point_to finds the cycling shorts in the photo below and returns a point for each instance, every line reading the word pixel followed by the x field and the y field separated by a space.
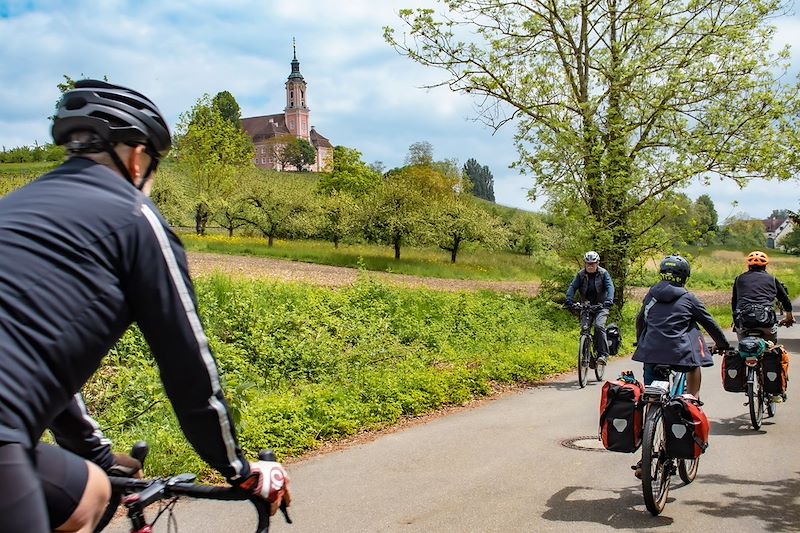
pixel 39 491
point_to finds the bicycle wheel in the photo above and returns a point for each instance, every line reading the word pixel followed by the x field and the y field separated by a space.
pixel 755 400
pixel 599 370
pixel 770 408
pixel 687 469
pixel 655 463
pixel 583 360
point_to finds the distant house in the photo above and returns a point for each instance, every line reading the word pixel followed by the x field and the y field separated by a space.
pixel 776 229
pixel 267 130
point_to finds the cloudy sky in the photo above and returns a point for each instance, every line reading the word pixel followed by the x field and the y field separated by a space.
pixel 361 93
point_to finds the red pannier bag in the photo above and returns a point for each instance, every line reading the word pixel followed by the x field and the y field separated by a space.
pixel 686 427
pixel 621 416
pixel 734 373
pixel 775 366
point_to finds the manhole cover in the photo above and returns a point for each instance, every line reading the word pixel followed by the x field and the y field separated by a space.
pixel 589 443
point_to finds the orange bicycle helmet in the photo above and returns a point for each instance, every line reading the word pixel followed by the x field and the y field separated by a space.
pixel 757 258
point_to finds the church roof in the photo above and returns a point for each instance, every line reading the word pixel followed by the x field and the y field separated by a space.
pixel 319 140
pixel 269 126
pixel 265 126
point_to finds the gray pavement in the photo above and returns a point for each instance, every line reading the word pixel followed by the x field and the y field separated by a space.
pixel 503 467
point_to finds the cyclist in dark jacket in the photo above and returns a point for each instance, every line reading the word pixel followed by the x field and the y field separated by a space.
pixel 753 295
pixel 83 254
pixel 593 284
pixel 667 331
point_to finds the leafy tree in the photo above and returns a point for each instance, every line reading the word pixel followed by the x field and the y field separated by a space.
pixel 526 233
pixel 420 153
pixel 169 195
pixel 395 212
pixel 707 219
pixel 275 206
pixel 481 179
pixel 780 213
pixel 230 215
pixel 350 174
pixel 377 167
pixel 302 154
pixel 744 234
pixel 228 108
pixel 618 102
pixel 281 149
pixel 338 217
pixel 791 242
pixel 456 220
pixel 211 151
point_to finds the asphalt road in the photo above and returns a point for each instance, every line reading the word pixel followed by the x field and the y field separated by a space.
pixel 503 467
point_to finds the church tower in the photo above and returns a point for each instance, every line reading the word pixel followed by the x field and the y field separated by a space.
pixel 296 110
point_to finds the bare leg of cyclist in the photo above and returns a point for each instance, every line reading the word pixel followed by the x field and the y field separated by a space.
pixel 693 379
pixel 92 503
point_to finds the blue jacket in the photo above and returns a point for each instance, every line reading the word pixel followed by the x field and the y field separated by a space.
pixel 604 287
pixel 667 329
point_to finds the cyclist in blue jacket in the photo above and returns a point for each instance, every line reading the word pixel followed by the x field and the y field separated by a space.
pixel 593 284
pixel 667 330
pixel 84 253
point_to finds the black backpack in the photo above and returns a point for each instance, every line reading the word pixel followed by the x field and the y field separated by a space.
pixel 614 338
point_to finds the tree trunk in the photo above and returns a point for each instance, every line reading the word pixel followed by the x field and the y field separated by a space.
pixel 397 250
pixel 270 238
pixel 454 250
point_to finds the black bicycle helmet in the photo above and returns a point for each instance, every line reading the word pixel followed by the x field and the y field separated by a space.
pixel 675 269
pixel 116 114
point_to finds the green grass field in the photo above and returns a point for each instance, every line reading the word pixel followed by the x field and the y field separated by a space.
pixel 473 262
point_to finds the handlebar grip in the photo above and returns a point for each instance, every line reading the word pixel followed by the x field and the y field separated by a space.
pixel 140 450
pixel 267 455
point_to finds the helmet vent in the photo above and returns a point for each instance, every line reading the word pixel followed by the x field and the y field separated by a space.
pixel 75 102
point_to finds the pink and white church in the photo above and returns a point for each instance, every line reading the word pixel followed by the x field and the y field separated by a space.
pixel 293 121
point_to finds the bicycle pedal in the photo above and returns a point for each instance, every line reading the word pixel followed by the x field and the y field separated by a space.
pixel 592 364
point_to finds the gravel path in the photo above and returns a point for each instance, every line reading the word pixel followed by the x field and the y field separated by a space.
pixel 249 267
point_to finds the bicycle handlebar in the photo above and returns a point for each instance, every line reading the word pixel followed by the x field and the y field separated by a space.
pixel 145 492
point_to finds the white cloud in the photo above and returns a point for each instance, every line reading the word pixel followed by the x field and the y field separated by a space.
pixel 362 93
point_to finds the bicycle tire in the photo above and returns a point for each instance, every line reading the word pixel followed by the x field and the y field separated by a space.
pixel 755 401
pixel 583 360
pixel 771 408
pixel 687 469
pixel 599 370
pixel 655 463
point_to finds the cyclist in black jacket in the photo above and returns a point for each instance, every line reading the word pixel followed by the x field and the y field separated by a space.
pixel 83 254
pixel 754 292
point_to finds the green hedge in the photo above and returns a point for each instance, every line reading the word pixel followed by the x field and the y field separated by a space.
pixel 303 365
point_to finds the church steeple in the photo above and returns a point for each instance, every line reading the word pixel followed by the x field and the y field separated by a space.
pixel 295 74
pixel 296 110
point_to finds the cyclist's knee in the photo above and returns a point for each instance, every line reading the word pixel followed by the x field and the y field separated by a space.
pixel 92 503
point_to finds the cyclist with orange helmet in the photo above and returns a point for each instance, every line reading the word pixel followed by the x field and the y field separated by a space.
pixel 754 292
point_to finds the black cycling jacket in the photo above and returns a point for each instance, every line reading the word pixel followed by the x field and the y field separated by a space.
pixel 758 287
pixel 83 254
